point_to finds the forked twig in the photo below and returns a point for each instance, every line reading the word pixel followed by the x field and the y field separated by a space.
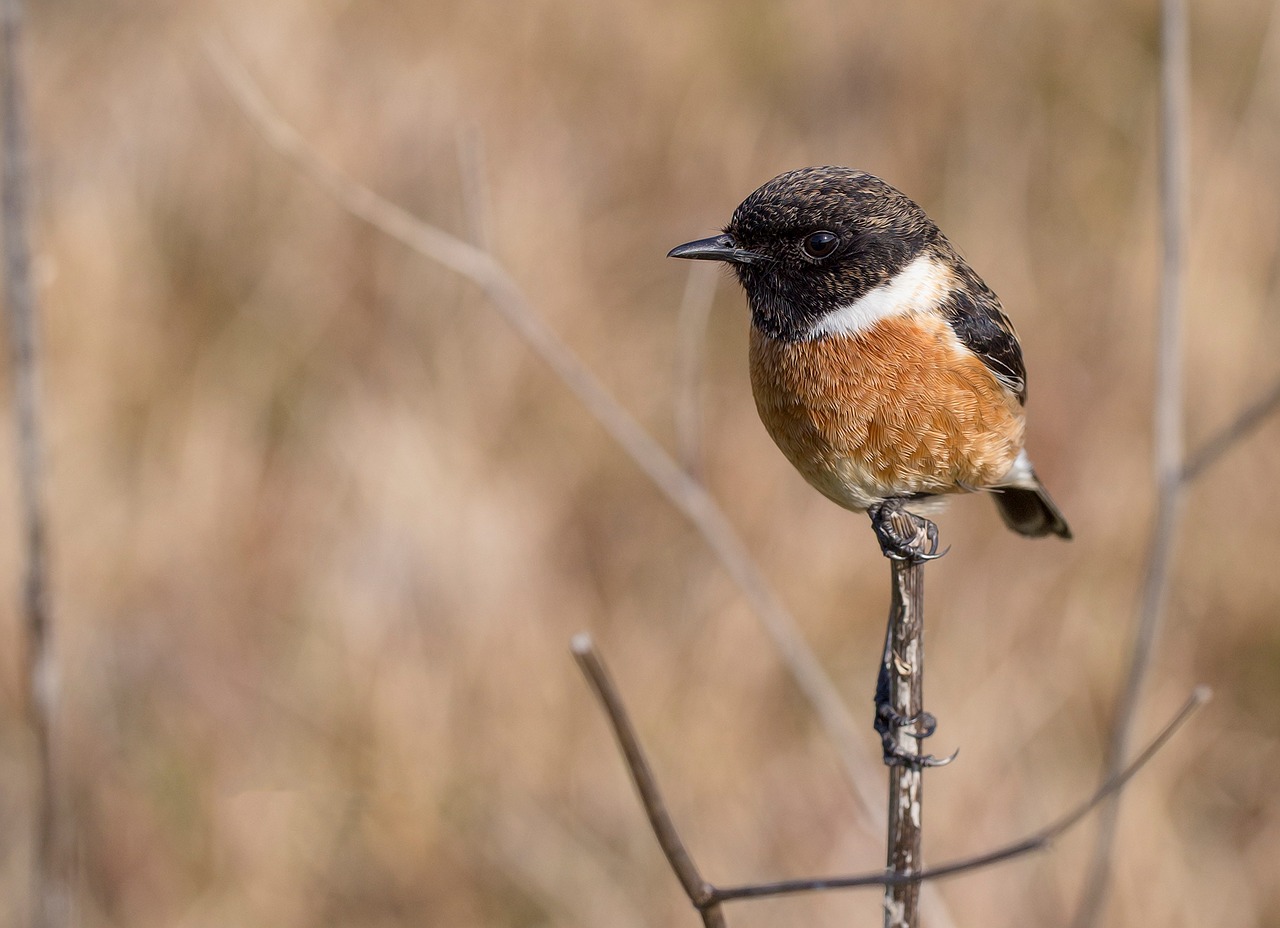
pixel 707 898
pixel 1034 842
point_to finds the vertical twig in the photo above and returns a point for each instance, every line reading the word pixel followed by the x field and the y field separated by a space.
pixel 695 311
pixel 48 895
pixel 1174 84
pixel 904 652
pixel 475 192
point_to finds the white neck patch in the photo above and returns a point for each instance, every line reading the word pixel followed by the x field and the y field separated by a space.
pixel 919 287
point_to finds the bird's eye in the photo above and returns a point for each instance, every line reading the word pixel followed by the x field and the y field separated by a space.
pixel 818 245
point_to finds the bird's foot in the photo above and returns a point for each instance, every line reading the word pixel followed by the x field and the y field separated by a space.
pixel 924 722
pixel 903 535
pixel 889 723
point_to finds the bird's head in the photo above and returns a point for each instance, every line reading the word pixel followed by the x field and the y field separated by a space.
pixel 814 240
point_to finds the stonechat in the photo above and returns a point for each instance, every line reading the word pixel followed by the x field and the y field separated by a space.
pixel 882 366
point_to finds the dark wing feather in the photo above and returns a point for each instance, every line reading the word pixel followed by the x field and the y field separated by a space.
pixel 975 314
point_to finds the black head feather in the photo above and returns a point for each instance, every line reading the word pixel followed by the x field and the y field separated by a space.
pixel 878 231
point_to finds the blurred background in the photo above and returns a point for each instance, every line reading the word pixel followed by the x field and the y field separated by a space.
pixel 322 526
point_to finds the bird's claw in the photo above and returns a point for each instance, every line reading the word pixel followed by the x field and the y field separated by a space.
pixel 889 722
pixel 896 757
pixel 893 720
pixel 903 535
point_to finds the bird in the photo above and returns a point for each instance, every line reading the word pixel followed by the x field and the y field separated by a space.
pixel 882 365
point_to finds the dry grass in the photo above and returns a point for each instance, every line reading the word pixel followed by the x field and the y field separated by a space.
pixel 323 528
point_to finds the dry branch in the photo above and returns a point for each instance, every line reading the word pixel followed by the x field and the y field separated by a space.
pixel 1173 470
pixel 908 541
pixel 707 898
pixel 904 663
pixel 691 324
pixel 1174 89
pixel 695 887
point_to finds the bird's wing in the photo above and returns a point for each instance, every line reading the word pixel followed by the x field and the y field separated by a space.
pixel 981 325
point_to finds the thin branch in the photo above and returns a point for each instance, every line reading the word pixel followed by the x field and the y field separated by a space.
pixel 680 489
pixel 677 855
pixel 475 193
pixel 707 897
pixel 903 672
pixel 695 887
pixel 1174 91
pixel 50 899
pixel 1230 435
pixel 1035 842
pixel 691 328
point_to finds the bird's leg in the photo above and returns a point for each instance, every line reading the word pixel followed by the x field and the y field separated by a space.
pixel 903 535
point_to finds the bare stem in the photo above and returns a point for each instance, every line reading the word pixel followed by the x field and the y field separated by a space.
pixel 695 311
pixel 904 661
pixel 1174 81
pixel 49 895
pixel 699 891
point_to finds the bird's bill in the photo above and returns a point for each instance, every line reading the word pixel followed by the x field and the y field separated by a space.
pixel 718 248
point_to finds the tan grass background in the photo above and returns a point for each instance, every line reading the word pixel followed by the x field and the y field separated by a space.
pixel 323 527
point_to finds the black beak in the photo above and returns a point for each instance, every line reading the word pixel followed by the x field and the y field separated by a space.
pixel 719 248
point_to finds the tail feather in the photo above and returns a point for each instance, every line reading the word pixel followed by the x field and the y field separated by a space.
pixel 1030 511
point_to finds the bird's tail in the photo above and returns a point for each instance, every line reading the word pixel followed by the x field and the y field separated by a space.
pixel 1031 511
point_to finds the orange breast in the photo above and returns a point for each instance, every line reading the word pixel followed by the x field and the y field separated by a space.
pixel 898 409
